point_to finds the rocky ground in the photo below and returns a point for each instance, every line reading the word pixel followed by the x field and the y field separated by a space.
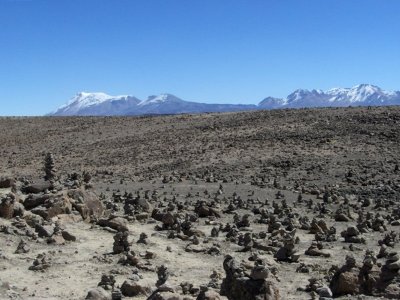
pixel 284 204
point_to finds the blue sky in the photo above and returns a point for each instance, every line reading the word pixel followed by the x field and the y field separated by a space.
pixel 237 51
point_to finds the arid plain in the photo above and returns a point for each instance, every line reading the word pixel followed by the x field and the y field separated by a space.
pixel 280 204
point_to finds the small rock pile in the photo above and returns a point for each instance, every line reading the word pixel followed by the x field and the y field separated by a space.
pixel 237 285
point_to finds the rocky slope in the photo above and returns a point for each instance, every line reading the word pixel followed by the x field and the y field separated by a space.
pixel 280 204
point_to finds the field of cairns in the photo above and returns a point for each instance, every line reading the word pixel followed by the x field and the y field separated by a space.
pixel 257 205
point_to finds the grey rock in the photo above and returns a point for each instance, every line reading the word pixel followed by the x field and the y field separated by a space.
pixel 98 293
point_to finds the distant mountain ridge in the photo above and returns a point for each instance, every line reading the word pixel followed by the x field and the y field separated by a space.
pixel 101 104
pixel 359 95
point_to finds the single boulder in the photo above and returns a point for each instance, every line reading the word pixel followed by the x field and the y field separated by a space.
pixel 7 203
pixel 346 280
pixel 37 187
pixel 68 236
pixel 346 283
pixel 87 203
pixel 6 183
pixel 238 286
pixel 117 223
pixel 98 293
pixel 45 230
pixel 59 205
pixel 209 295
pixel 132 288
pixel 33 201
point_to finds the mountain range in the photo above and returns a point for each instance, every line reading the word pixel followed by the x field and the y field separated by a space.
pixel 101 104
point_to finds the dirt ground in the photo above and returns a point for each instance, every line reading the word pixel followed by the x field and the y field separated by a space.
pixel 337 158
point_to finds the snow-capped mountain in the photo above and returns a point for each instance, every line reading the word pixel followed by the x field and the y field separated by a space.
pixel 362 93
pixel 359 95
pixel 160 99
pixel 170 104
pixel 95 104
pixel 100 104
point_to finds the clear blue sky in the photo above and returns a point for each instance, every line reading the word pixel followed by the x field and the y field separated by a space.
pixel 238 51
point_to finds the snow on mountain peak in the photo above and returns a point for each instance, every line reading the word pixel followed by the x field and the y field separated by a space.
pixel 298 95
pixel 84 99
pixel 358 93
pixel 362 94
pixel 85 103
pixel 159 99
pixel 88 98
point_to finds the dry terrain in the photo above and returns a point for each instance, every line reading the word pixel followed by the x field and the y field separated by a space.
pixel 281 204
